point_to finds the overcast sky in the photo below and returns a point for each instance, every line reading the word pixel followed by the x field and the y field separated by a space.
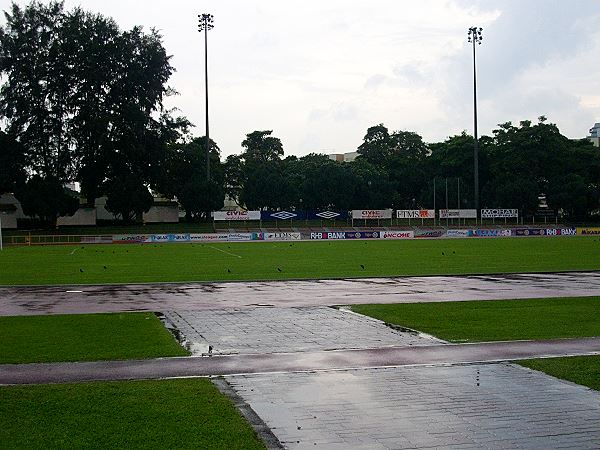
pixel 319 73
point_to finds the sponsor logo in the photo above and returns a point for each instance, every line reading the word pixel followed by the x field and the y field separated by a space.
pixel 397 235
pixel 283 215
pixel 568 231
pixel 282 236
pixel 208 237
pixel 499 213
pixel 491 233
pixel 429 234
pixel 372 214
pixel 459 233
pixel 327 214
pixel 593 231
pixel 415 214
pixel 130 238
pixel 236 215
pixel 239 236
pixel 330 235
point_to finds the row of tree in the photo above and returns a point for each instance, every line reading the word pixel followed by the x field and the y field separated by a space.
pixel 82 101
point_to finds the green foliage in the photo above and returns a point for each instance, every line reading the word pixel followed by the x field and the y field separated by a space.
pixel 128 198
pixel 12 162
pixel 306 260
pixel 84 337
pixel 47 199
pixel 497 320
pixel 134 414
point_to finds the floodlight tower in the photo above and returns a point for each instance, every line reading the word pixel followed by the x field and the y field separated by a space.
pixel 205 23
pixel 474 37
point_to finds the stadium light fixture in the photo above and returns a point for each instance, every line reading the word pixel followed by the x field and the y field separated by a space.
pixel 475 37
pixel 205 23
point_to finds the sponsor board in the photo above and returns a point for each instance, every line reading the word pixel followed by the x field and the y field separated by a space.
pixel 561 231
pixel 170 237
pixel 458 214
pixel 328 235
pixel 245 237
pixel 282 236
pixel 588 231
pixel 328 215
pixel 208 237
pixel 491 233
pixel 429 234
pixel 362 234
pixel 547 231
pixel 397 234
pixel 371 213
pixel 415 214
pixel 130 238
pixel 236 215
pixel 459 233
pixel 499 213
pixel 530 232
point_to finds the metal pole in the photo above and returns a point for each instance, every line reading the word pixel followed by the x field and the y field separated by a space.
pixel 476 143
pixel 1 248
pixel 206 90
pixel 446 202
pixel 458 195
pixel 434 201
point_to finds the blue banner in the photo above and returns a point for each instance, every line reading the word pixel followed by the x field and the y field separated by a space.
pixel 303 215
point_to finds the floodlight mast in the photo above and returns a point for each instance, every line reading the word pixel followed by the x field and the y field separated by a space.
pixel 205 23
pixel 474 37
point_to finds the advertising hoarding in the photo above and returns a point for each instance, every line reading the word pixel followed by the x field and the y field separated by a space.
pixel 415 214
pixel 499 213
pixel 459 233
pixel 236 215
pixel 491 233
pixel 282 236
pixel 371 213
pixel 588 231
pixel 397 234
pixel 458 214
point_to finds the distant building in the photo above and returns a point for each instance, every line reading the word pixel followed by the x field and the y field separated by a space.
pixel 343 157
pixel 595 134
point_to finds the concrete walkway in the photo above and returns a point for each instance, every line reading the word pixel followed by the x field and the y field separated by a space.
pixel 202 296
pixel 441 354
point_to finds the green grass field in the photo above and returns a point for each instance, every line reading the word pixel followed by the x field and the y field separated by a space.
pixel 142 414
pixel 503 320
pixel 497 320
pixel 86 337
pixel 298 260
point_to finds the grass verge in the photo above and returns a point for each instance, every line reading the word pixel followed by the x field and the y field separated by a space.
pixel 85 337
pixel 497 320
pixel 584 370
pixel 141 414
pixel 89 264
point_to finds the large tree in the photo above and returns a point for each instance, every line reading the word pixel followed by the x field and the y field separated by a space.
pixel 85 98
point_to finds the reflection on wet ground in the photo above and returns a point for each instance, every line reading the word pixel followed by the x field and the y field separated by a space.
pixel 199 296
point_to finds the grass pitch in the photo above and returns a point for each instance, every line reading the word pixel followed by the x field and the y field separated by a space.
pixel 141 414
pixel 88 264
pixel 86 337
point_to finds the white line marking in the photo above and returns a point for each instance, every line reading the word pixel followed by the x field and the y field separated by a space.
pixel 224 251
pixel 73 292
pixel 74 250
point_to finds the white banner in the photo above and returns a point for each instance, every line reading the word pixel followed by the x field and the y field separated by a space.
pixel 208 236
pixel 236 215
pixel 397 235
pixel 458 214
pixel 282 236
pixel 459 233
pixel 415 214
pixel 499 213
pixel 372 214
pixel 239 237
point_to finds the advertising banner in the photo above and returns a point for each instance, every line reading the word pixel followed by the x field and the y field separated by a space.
pixel 499 213
pixel 362 234
pixel 170 237
pixel 195 237
pixel 282 215
pixel 459 233
pixel 326 215
pixel 397 234
pixel 282 236
pixel 530 232
pixel 561 231
pixel 426 234
pixel 458 213
pixel 328 235
pixel 130 238
pixel 372 214
pixel 415 214
pixel 491 233
pixel 588 231
pixel 233 237
pixel 236 215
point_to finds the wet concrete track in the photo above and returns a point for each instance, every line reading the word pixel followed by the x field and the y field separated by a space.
pixel 199 296
pixel 294 362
